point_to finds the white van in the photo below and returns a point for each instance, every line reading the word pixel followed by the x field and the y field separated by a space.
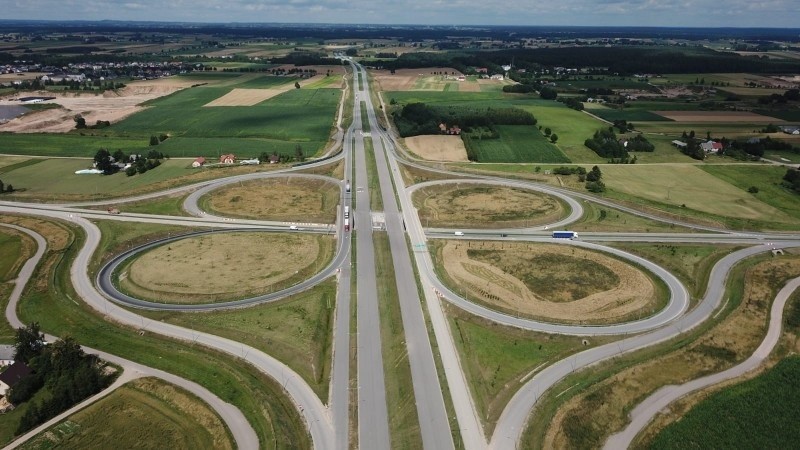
pixel 459 233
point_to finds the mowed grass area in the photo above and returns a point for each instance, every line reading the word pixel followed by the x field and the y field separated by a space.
pixel 498 359
pixel 144 413
pixel 629 114
pixel 688 188
pixel 517 143
pixel 223 266
pixel 53 303
pixel 485 207
pixel 15 248
pixel 768 179
pixel 759 413
pixel 296 331
pixel 282 199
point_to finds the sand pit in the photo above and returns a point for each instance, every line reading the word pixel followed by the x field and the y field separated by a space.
pixel 566 284
pixel 716 116
pixel 438 148
pixel 112 106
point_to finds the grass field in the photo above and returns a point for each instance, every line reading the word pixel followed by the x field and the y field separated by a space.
pixel 296 331
pixel 11 254
pixel 69 144
pixel 144 413
pixel 691 263
pixel 200 269
pixel 485 207
pixel 170 205
pixel 690 187
pixel 517 143
pixel 759 413
pixel 631 115
pixel 496 359
pixel 55 305
pixel 289 200
pixel 375 196
pixel 768 181
pixel 594 219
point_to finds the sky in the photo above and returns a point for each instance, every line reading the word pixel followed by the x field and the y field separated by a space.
pixel 675 13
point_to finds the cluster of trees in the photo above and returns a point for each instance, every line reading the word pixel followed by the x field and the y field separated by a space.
pixel 572 102
pixel 594 180
pixel 80 123
pixel 548 93
pixel 299 156
pixel 155 140
pixel 605 143
pixel 623 126
pixel 110 164
pixel 419 118
pixel 639 143
pixel 3 188
pixel 69 374
pixel 756 148
pixel 790 95
pixel 792 180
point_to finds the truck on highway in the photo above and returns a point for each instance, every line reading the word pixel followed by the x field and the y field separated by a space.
pixel 565 235
pixel 346 224
pixel 346 211
pixel 347 186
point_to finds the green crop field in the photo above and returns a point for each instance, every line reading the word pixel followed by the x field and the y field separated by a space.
pixel 572 127
pixel 789 115
pixel 759 413
pixel 717 130
pixel 265 82
pixel 70 144
pixel 518 143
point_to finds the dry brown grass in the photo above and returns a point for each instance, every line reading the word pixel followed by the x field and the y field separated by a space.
pixel 406 79
pixel 58 238
pixel 438 148
pixel 474 206
pixel 224 266
pixel 604 406
pixel 549 281
pixel 286 199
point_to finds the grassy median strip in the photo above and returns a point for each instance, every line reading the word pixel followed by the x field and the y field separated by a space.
pixel 375 197
pixel 15 249
pixel 400 399
pixel 52 302
pixel 144 413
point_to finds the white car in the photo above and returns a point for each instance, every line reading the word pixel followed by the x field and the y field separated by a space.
pixel 459 233
pixel 293 227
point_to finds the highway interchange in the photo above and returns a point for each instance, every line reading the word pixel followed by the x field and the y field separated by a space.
pixel 328 419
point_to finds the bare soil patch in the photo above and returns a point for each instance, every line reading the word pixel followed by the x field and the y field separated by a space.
pixel 438 148
pixel 555 282
pixel 245 97
pixel 112 106
pixel 716 116
pixel 485 207
pixel 285 199
pixel 406 79
pixel 223 266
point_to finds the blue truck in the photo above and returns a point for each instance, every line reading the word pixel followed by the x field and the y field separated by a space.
pixel 565 235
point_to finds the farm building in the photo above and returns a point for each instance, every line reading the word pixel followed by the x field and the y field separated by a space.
pixel 274 158
pixel 13 375
pixel 679 144
pixel 794 129
pixel 199 162
pixel 227 159
pixel 711 146
pixel 6 355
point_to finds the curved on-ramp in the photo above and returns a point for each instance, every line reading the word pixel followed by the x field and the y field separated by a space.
pixel 243 434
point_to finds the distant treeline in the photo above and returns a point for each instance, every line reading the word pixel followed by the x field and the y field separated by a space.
pixel 622 60
pixel 419 118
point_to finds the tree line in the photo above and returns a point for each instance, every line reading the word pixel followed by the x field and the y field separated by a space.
pixel 62 367
pixel 419 118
